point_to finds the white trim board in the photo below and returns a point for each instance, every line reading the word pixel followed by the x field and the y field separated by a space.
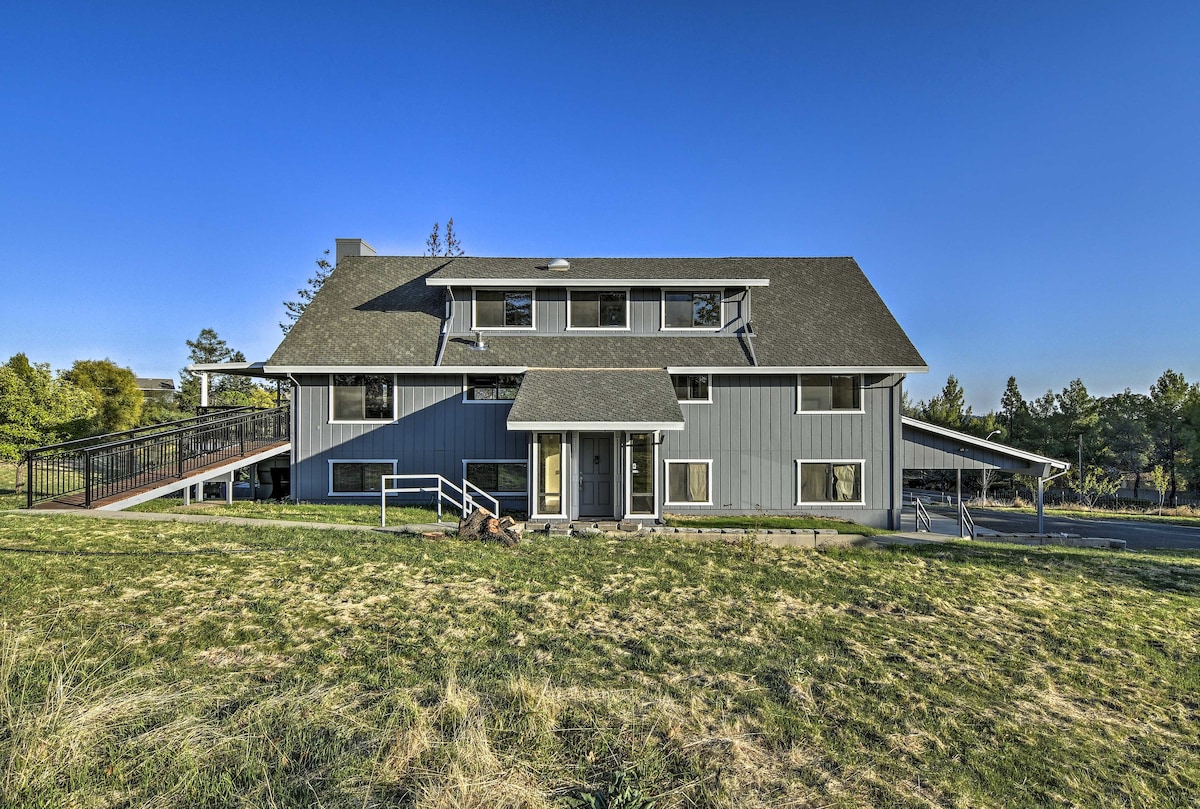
pixel 862 482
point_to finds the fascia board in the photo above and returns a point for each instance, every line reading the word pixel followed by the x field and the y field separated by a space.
pixel 569 281
pixel 595 426
pixel 798 369
pixel 396 369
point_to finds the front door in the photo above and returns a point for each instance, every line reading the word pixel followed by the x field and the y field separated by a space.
pixel 595 475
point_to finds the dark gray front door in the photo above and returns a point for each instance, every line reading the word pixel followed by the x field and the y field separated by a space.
pixel 595 475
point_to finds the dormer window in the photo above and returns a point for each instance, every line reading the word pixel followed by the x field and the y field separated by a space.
pixel 503 309
pixel 692 309
pixel 598 309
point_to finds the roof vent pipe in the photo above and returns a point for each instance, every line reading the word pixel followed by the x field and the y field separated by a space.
pixel 479 344
pixel 559 265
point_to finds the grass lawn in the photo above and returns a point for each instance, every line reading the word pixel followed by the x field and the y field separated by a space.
pixel 347 514
pixel 186 665
pixel 765 521
pixel 8 492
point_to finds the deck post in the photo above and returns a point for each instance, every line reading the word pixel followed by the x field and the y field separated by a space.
pixel 87 479
pixel 187 495
pixel 204 388
pixel 229 490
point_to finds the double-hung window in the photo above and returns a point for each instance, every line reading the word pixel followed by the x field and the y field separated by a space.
pixel 492 388
pixel 692 309
pixel 503 309
pixel 598 309
pixel 363 397
pixel 830 393
pixel 836 482
pixel 691 388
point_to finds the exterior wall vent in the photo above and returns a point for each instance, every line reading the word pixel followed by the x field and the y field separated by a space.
pixel 559 265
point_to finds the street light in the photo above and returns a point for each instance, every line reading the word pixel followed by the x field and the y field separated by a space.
pixel 993 432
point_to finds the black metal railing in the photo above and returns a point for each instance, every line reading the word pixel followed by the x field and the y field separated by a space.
pixel 87 470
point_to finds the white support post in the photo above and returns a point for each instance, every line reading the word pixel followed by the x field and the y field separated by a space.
pixel 204 388
pixel 229 490
pixel 187 495
pixel 1041 516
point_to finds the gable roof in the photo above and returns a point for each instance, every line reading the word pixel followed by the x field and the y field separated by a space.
pixel 383 311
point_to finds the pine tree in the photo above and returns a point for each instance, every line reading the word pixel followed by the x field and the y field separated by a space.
pixel 293 309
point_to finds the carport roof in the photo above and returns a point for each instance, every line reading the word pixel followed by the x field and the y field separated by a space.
pixel 930 446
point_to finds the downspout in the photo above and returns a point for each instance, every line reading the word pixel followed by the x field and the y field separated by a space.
pixel 748 330
pixel 444 337
pixel 295 417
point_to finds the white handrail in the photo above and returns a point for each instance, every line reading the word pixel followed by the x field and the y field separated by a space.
pixel 922 516
pixel 968 522
pixel 465 504
pixel 495 503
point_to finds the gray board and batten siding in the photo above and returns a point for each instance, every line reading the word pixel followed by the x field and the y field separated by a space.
pixel 750 431
pixel 434 431
pixel 644 308
pixel 754 437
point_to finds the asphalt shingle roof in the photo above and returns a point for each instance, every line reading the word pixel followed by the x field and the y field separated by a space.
pixel 816 312
pixel 625 396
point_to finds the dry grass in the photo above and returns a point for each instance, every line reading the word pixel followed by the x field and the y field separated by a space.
pixel 166 669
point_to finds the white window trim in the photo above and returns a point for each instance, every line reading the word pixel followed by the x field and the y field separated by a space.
pixel 628 314
pixel 532 315
pixel 523 461
pixel 534 476
pixel 667 481
pixel 628 484
pixel 395 402
pixel 332 493
pixel 662 310
pixel 800 411
pixel 709 400
pixel 466 385
pixel 862 483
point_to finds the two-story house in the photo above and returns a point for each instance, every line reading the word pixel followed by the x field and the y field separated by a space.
pixel 603 388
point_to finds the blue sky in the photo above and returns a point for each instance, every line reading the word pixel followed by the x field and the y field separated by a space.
pixel 1020 181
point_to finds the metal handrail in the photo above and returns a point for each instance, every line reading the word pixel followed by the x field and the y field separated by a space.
pixel 112 468
pixel 148 430
pixel 465 504
pixel 967 522
pixel 921 516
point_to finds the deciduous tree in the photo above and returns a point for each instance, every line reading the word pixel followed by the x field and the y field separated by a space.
pixel 37 407
pixel 114 393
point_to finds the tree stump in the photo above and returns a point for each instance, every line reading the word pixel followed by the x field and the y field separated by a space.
pixel 481 526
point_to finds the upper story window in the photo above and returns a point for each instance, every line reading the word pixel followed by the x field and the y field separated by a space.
pixel 590 309
pixel 493 388
pixel 691 387
pixel 503 309
pixel 830 393
pixel 363 397
pixel 693 309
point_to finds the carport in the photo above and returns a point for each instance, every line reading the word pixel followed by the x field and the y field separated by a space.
pixel 929 446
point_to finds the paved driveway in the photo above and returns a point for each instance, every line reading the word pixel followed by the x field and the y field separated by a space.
pixel 1137 535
